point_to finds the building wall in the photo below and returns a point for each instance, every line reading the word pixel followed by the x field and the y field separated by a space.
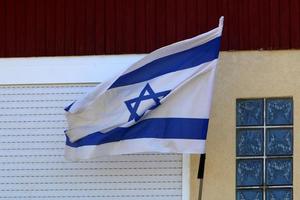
pixel 97 27
pixel 245 74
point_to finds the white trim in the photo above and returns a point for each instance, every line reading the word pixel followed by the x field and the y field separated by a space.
pixel 186 176
pixel 71 69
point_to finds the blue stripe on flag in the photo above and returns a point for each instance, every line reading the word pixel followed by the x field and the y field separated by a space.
pixel 178 61
pixel 168 128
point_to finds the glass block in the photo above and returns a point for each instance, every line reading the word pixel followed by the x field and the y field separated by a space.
pixel 279 194
pixel 279 141
pixel 251 194
pixel 280 111
pixel 250 142
pixel 249 112
pixel 249 172
pixel 279 171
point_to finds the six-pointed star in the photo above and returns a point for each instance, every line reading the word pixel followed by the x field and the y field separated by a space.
pixel 146 93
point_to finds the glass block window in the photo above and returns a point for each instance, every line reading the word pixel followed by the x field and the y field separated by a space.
pixel 264 149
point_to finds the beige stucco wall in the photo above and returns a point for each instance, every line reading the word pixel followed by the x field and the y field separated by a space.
pixel 244 74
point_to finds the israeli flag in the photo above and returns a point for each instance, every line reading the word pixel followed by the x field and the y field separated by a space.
pixel 159 104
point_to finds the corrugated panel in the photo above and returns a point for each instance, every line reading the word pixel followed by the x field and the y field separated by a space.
pixel 295 19
pixel 2 24
pixel 110 27
pixel 80 27
pixel 90 27
pixel 100 27
pixel 30 29
pixel 70 21
pixel 140 29
pixel 32 165
pixel 60 28
pixel 40 26
pixel 10 27
pixel 151 32
pixel 93 27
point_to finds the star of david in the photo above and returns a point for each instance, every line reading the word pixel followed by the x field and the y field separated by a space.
pixel 146 94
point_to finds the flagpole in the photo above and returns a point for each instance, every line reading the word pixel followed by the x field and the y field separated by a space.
pixel 201 174
pixel 202 156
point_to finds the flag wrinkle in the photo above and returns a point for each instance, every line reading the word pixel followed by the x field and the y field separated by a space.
pixel 159 104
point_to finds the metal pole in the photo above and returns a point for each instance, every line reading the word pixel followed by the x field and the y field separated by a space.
pixel 200 189
pixel 201 174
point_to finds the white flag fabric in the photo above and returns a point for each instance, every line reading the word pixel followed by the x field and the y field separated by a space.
pixel 159 104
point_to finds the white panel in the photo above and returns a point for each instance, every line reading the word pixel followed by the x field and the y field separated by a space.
pixel 32 165
pixel 80 69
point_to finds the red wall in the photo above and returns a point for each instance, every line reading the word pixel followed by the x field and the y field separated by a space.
pixel 88 27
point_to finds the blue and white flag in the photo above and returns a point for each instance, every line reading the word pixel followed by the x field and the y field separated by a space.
pixel 159 104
